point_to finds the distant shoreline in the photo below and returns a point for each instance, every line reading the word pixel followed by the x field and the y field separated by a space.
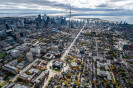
pixel 127 19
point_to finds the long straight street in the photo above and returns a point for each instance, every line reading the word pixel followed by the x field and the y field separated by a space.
pixel 68 49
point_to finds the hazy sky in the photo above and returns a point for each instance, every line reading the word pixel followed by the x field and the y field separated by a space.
pixel 106 9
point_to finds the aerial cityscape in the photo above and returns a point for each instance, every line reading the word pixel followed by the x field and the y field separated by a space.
pixel 49 50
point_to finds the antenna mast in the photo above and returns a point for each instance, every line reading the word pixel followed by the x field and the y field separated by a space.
pixel 70 17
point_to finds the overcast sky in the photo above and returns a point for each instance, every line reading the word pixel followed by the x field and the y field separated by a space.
pixel 116 10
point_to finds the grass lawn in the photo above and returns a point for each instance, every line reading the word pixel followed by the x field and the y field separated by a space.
pixel 3 84
pixel 131 57
pixel 58 70
pixel 2 55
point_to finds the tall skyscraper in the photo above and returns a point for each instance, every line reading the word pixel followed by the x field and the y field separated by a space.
pixel 39 18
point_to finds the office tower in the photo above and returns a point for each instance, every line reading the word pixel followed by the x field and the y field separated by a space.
pixel 29 56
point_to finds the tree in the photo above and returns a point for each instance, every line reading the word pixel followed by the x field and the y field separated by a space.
pixel 76 76
pixel 21 83
pixel 38 62
pixel 86 73
pixel 85 85
pixel 122 69
pixel 117 80
pixel 10 81
pixel 86 70
pixel 20 59
pixel 71 57
pixel 61 81
pixel 102 81
pixel 79 68
pixel 82 64
pixel 112 67
pixel 69 74
pixel 114 83
pixel 106 80
pixel 107 85
pixel 68 85
pixel 75 73
pixel 123 74
pixel 65 83
pixel 76 83
pixel 59 86
pixel 68 80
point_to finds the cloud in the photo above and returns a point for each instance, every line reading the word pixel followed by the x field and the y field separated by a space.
pixel 102 5
pixel 29 11
pixel 80 8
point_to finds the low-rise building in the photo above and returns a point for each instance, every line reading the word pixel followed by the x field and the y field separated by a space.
pixel 20 86
pixel 104 73
pixel 42 77
pixel 48 56
pixel 11 69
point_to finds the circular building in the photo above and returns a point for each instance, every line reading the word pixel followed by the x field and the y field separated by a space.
pixel 57 64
